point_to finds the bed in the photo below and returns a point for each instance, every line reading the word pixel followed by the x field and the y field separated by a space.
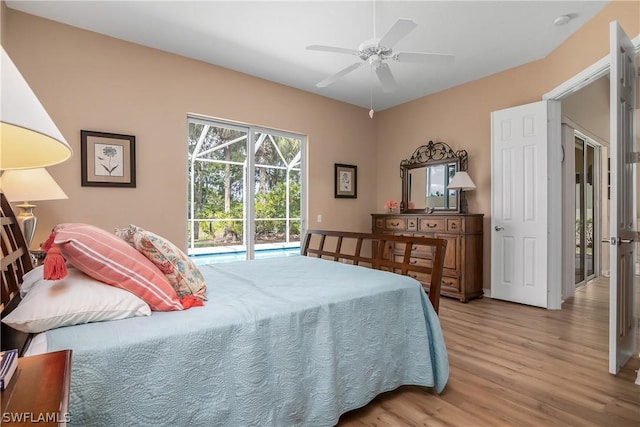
pixel 295 341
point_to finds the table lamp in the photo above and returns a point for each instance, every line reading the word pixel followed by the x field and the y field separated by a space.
pixel 462 182
pixel 28 136
pixel 29 185
pixel 28 139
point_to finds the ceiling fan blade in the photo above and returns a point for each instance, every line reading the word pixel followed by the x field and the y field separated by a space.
pixel 333 49
pixel 424 58
pixel 397 32
pixel 386 78
pixel 332 78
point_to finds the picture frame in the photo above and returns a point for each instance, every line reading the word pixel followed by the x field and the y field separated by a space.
pixel 107 159
pixel 345 181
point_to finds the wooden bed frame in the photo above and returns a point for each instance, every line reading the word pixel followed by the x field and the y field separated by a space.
pixel 16 261
pixel 388 252
pixel 378 251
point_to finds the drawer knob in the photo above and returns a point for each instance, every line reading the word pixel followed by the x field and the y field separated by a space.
pixel 454 226
pixel 431 225
pixel 413 262
pixel 395 224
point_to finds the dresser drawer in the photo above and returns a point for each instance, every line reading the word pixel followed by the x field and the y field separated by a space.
pixel 454 225
pixel 423 262
pixel 431 224
pixel 395 224
pixel 450 284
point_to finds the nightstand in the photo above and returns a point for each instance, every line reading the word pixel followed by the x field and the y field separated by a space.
pixel 38 391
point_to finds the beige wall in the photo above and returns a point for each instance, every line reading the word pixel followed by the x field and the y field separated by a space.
pixel 89 81
pixel 460 116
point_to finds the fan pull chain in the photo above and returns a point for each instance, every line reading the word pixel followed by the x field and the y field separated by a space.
pixel 371 94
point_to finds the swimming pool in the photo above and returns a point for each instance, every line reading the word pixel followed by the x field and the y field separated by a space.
pixel 218 257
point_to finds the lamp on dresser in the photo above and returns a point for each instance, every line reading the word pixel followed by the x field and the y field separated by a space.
pixel 462 182
pixel 28 185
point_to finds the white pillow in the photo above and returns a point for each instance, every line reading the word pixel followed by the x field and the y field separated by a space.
pixel 31 278
pixel 76 299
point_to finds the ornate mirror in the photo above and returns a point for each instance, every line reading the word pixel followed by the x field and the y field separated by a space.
pixel 426 177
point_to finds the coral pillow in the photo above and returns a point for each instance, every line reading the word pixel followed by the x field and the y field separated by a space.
pixel 109 259
pixel 182 273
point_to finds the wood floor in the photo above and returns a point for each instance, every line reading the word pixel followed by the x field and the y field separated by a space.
pixel 515 365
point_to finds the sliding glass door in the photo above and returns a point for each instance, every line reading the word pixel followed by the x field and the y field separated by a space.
pixel 245 188
pixel 278 188
pixel 585 204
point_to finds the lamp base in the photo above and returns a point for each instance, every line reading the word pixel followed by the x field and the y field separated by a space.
pixel 27 221
pixel 464 208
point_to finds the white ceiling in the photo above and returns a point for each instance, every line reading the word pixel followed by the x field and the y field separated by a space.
pixel 267 39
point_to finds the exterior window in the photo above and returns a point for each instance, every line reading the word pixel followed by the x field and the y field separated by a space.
pixel 245 189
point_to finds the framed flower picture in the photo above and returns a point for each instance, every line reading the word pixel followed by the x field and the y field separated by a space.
pixel 108 159
pixel 346 181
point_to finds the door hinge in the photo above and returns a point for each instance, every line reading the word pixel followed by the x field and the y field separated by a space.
pixel 634 157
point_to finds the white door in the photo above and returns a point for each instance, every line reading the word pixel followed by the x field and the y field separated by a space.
pixel 622 306
pixel 525 211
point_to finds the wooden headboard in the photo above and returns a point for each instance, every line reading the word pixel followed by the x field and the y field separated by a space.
pixel 380 251
pixel 16 261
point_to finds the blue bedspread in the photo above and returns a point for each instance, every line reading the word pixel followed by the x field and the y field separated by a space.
pixel 293 341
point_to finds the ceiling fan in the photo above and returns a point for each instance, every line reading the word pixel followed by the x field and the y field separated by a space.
pixel 377 51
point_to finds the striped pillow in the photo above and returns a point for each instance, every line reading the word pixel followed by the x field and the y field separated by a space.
pixel 109 259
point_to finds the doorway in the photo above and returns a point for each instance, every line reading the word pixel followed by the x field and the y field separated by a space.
pixel 585 211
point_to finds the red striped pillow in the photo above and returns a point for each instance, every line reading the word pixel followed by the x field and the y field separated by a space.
pixel 111 260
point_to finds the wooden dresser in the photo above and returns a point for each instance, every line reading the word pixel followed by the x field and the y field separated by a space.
pixel 462 274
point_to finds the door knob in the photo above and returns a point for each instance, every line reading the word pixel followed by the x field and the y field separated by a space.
pixel 617 241
pixel 499 228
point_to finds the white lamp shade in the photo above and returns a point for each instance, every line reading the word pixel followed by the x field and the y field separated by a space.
pixel 30 185
pixel 462 181
pixel 28 136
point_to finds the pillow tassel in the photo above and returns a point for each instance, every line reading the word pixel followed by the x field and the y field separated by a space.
pixel 190 301
pixel 46 245
pixel 55 267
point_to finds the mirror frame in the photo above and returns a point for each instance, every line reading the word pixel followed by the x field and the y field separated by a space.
pixel 431 154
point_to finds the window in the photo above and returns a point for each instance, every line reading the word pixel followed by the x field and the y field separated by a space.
pixel 245 188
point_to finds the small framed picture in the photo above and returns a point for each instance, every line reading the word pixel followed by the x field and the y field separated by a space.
pixel 108 159
pixel 346 181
